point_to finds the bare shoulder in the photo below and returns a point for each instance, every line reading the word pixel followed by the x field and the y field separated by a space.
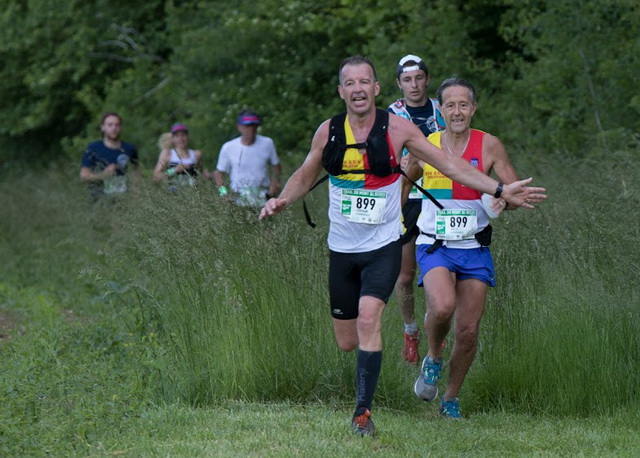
pixel 493 147
pixel 491 141
pixel 321 136
pixel 402 128
pixel 398 122
pixel 324 127
pixel 165 155
pixel 403 133
pixel 496 157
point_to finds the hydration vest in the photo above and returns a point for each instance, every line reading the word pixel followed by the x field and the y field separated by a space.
pixel 377 149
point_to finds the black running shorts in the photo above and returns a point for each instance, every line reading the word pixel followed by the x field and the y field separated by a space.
pixel 353 275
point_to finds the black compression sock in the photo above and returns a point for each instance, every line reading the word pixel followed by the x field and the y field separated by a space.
pixel 367 372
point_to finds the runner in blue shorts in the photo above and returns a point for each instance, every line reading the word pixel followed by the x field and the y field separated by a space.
pixel 455 262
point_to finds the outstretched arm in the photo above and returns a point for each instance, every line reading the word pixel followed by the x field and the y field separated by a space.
pixel 303 178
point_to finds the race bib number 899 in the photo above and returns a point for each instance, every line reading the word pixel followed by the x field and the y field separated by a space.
pixel 363 206
pixel 456 224
pixel 115 185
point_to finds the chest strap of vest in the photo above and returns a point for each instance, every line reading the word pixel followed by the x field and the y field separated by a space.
pixel 396 169
pixel 483 237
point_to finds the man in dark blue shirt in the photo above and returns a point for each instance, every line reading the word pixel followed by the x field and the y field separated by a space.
pixel 105 162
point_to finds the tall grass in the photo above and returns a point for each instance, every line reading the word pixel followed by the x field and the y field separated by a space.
pixel 221 306
pixel 244 303
pixel 562 330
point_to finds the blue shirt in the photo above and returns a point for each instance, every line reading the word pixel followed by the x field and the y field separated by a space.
pixel 98 157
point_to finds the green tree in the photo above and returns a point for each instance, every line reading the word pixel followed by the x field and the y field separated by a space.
pixel 60 59
pixel 575 82
pixel 557 74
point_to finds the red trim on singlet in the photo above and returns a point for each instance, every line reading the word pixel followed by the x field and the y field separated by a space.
pixel 473 155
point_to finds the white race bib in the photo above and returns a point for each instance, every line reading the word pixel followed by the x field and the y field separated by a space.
pixel 252 197
pixel 185 179
pixel 116 184
pixel 363 206
pixel 456 224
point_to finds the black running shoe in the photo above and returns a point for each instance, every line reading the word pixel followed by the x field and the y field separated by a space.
pixel 362 424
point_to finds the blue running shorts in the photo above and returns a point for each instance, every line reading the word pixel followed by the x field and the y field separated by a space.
pixel 465 263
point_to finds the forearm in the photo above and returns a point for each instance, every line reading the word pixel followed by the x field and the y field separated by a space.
pixel 507 174
pixel 298 185
pixel 219 178
pixel 413 173
pixel 462 172
pixel 276 173
pixel 274 182
pixel 88 176
pixel 516 193
pixel 453 167
pixel 158 174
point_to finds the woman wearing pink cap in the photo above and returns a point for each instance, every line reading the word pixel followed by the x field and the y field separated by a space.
pixel 180 164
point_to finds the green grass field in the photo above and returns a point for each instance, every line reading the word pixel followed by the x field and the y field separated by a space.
pixel 175 325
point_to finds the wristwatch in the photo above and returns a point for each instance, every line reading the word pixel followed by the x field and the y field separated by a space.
pixel 498 192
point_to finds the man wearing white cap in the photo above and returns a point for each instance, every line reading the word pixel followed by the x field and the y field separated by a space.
pixel 251 162
pixel 413 80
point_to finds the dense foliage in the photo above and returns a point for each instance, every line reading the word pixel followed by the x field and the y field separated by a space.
pixel 557 73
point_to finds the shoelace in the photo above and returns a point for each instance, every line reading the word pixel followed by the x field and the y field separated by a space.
pixel 451 408
pixel 431 372
pixel 363 419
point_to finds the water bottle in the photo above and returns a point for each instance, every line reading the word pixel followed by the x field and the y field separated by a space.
pixel 122 162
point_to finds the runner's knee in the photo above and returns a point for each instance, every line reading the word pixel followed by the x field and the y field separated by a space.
pixel 467 337
pixel 441 308
pixel 347 344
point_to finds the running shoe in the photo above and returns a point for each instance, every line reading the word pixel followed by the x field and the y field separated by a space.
pixel 450 408
pixel 426 386
pixel 410 351
pixel 362 424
